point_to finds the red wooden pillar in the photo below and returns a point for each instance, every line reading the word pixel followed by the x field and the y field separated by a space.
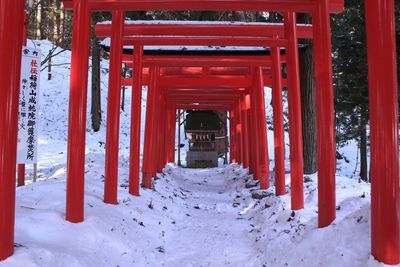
pixel 171 128
pixel 237 140
pixel 11 21
pixel 159 148
pixel 25 28
pixel 262 128
pixel 155 152
pixel 164 137
pixel 147 168
pixel 325 114
pixel 254 130
pixel 156 144
pixel 136 111
pixel 170 133
pixel 294 102
pixel 167 134
pixel 245 128
pixel 249 129
pixel 77 112
pixel 113 109
pixel 21 175
pixel 239 133
pixel 279 139
pixel 172 125
pixel 383 98
pixel 173 132
pixel 232 135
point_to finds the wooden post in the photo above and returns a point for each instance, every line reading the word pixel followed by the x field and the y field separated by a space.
pixel 77 112
pixel 325 115
pixel 113 110
pixel 383 99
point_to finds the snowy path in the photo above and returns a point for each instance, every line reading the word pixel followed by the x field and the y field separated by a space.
pixel 211 233
pixel 191 218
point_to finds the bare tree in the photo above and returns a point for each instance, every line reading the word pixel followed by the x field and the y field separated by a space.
pixel 96 90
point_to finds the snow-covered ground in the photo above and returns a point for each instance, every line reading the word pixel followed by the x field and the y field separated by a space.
pixel 208 217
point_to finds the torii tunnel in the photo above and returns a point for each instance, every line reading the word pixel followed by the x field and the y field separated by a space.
pixel 234 83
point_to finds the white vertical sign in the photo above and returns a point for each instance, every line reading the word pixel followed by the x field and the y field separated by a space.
pixel 28 106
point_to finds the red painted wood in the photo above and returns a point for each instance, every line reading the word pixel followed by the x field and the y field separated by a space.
pixel 204 29
pixel 147 168
pixel 335 6
pixel 113 111
pixel 21 175
pixel 136 111
pixel 279 138
pixel 204 41
pixel 245 129
pixel 383 99
pixel 294 105
pixel 325 116
pixel 262 129
pixel 77 112
pixel 239 132
pixel 11 26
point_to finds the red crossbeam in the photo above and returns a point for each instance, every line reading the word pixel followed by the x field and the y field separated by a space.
pixel 210 82
pixel 208 61
pixel 205 41
pixel 190 100
pixel 335 6
pixel 171 91
pixel 204 29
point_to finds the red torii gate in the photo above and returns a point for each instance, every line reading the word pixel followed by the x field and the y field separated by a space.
pixel 385 193
pixel 209 88
pixel 211 39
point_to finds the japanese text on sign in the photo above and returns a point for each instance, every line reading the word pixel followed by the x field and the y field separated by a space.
pixel 28 106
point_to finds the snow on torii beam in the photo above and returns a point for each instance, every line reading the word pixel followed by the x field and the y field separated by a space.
pixel 305 6
pixel 162 28
pixel 205 41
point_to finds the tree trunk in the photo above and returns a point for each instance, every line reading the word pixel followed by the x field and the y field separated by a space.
pixel 308 113
pixel 239 16
pixel 57 21
pixel 96 90
pixel 43 21
pixel 38 21
pixel 363 144
pixel 307 85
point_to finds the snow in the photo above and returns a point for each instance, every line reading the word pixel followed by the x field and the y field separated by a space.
pixel 107 42
pixel 193 217
pixel 194 22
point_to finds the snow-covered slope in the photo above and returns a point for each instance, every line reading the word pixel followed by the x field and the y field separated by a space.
pixel 192 217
